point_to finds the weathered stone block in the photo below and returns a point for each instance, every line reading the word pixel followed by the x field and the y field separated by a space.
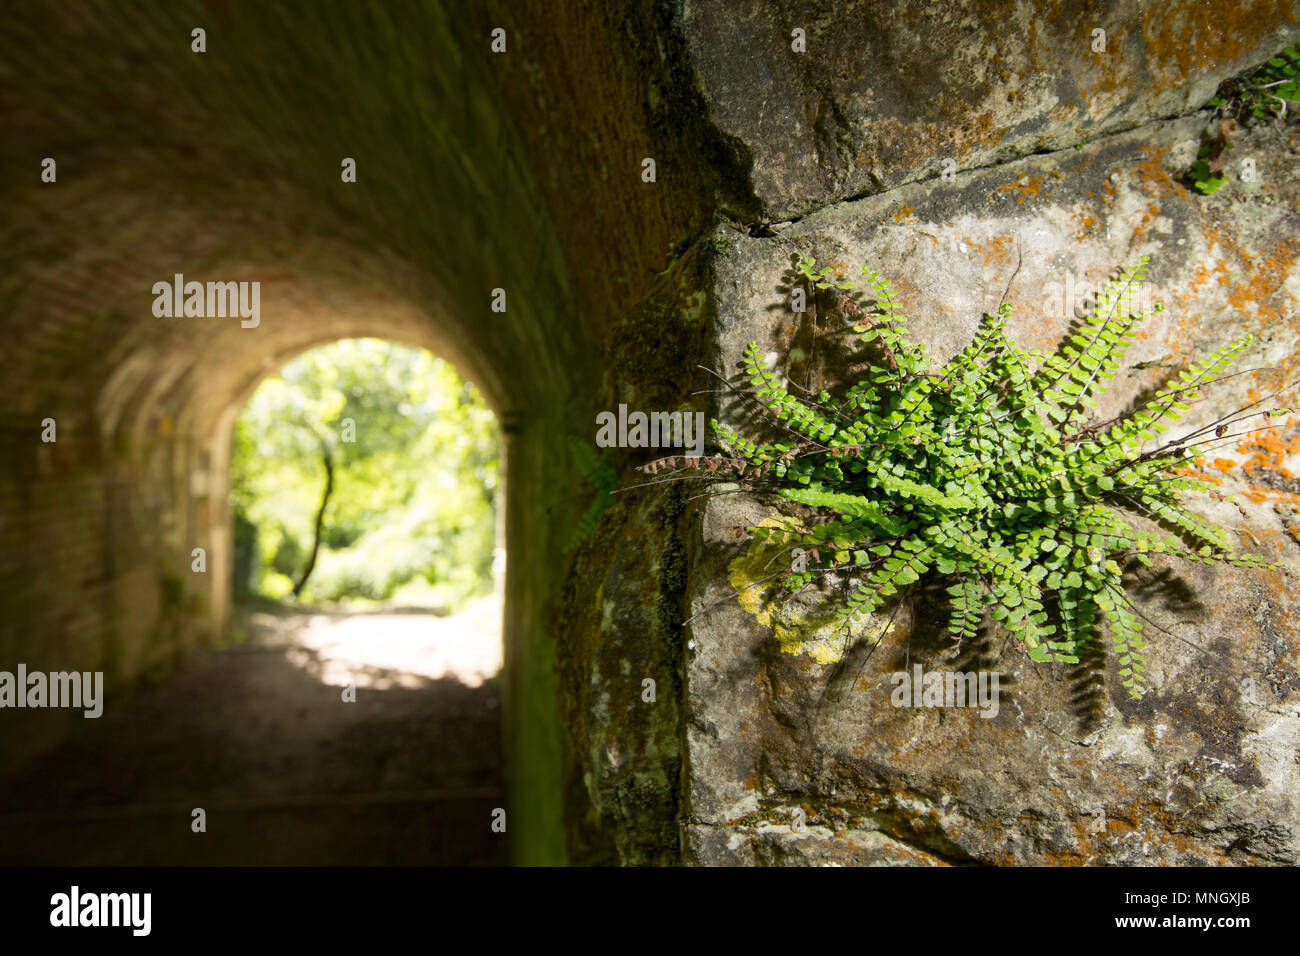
pixel 1204 768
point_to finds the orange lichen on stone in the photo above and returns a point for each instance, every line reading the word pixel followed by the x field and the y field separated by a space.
pixel 1258 292
pixel 1152 170
pixel 1197 475
pixel 1268 450
pixel 1140 228
pixel 1087 223
pixel 1266 271
pixel 996 252
pixel 1202 36
pixel 1202 274
pixel 903 213
pixel 1244 287
pixel 1025 187
pixel 1224 464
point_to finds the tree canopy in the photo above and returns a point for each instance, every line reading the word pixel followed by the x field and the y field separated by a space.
pixel 365 471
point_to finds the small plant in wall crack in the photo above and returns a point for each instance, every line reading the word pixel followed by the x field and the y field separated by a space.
pixel 1271 93
pixel 991 474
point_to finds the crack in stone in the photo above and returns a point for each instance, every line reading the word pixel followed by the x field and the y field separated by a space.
pixel 1088 141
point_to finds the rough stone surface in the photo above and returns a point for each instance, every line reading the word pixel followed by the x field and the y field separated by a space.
pixel 1204 768
pixel 886 92
pixel 779 844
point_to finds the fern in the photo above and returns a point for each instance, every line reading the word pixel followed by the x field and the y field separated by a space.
pixel 599 471
pixel 989 474
pixel 1266 93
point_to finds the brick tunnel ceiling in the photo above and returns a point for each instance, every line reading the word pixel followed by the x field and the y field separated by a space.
pixel 227 168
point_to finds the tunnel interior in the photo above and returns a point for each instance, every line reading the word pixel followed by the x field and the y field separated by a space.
pixel 228 168
pixel 244 722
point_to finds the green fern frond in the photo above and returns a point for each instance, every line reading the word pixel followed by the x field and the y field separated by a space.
pixel 986 473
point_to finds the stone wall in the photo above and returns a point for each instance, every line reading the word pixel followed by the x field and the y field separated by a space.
pixel 1203 769
pixel 1061 161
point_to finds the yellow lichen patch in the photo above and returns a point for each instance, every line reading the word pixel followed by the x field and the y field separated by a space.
pixel 904 213
pixel 803 623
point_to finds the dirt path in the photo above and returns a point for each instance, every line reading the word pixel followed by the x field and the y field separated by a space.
pixel 257 734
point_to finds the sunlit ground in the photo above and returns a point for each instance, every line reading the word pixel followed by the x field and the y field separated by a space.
pixel 394 649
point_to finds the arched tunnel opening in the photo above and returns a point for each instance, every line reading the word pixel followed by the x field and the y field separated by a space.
pixel 356 684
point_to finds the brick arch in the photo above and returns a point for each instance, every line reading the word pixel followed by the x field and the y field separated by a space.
pixel 474 171
pixel 176 433
pixel 226 167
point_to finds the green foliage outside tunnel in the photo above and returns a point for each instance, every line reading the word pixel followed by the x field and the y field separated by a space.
pixel 409 453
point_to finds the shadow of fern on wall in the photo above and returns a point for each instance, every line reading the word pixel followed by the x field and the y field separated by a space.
pixel 989 482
